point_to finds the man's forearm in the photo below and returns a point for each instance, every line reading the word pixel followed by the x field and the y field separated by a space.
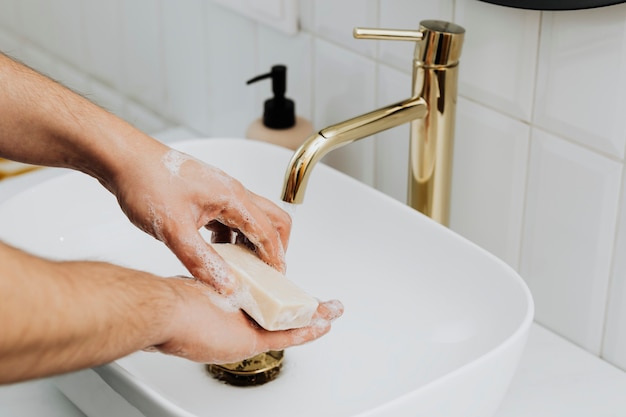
pixel 61 316
pixel 44 123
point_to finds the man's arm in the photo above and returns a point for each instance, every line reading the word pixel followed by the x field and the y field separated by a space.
pixel 57 317
pixel 44 123
pixel 163 192
pixel 61 316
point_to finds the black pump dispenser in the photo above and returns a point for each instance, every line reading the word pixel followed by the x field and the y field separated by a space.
pixel 279 111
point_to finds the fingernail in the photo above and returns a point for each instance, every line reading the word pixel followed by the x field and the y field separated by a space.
pixel 335 308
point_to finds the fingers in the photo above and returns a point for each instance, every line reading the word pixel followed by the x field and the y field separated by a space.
pixel 206 327
pixel 206 265
pixel 330 310
pixel 320 325
pixel 279 218
pixel 232 213
pixel 264 224
pixel 201 260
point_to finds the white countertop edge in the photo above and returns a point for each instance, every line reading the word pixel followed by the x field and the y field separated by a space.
pixel 557 378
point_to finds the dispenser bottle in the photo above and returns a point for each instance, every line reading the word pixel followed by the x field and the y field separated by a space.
pixel 279 124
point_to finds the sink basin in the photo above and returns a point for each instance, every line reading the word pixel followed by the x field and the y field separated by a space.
pixel 433 325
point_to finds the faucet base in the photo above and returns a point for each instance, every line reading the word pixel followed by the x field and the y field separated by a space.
pixel 256 370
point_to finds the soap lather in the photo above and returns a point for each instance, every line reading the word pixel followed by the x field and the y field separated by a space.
pixel 279 125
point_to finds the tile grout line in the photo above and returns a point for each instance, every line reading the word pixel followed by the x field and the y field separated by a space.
pixel 619 223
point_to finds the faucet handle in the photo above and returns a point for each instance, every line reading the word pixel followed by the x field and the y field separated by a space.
pixel 388 34
pixel 442 41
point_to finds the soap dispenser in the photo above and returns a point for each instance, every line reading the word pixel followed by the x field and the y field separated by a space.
pixel 279 124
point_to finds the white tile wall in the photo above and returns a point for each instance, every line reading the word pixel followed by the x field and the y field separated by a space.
pixel 393 144
pixel 345 87
pixel 541 132
pixel 35 26
pixel 614 348
pixel 334 21
pixel 10 16
pixel 10 45
pixel 569 230
pixel 186 63
pixel 499 56
pixel 490 159
pixel 142 52
pixel 306 15
pixel 65 40
pixel 581 88
pixel 231 101
pixel 103 41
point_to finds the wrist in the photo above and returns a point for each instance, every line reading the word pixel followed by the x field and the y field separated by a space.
pixel 171 314
pixel 118 153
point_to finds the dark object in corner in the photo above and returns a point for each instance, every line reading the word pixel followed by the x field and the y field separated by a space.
pixel 554 4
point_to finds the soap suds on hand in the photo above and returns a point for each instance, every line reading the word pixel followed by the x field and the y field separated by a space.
pixel 173 160
pixel 211 263
pixel 156 222
pixel 335 307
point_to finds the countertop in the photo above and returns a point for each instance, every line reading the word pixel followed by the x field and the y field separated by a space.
pixel 554 378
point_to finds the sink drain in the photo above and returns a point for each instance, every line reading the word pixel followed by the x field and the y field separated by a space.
pixel 256 370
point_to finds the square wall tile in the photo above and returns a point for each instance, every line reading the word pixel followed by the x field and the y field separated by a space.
pixel 345 87
pixel 497 65
pixel 581 82
pixel 66 39
pixel 306 15
pixel 36 24
pixel 407 14
pixel 335 20
pixel 489 179
pixel 10 17
pixel 103 39
pixel 614 346
pixel 569 231
pixel 10 44
pixel 392 146
pixel 296 53
pixel 186 63
pixel 231 63
pixel 142 52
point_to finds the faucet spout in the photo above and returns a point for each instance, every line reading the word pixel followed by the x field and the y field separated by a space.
pixel 341 134
pixel 430 110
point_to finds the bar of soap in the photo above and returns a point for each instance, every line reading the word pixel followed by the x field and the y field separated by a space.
pixel 275 302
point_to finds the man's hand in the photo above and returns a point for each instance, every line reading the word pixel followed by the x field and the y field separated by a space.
pixel 173 195
pixel 207 328
pixel 62 316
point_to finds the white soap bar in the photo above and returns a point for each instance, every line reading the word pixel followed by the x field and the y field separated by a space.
pixel 274 302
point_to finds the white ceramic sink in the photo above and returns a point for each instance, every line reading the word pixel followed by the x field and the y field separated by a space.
pixel 433 325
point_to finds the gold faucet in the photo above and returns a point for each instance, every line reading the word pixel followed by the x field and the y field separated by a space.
pixel 430 110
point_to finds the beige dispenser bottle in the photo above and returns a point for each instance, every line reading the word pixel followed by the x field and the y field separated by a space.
pixel 279 124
